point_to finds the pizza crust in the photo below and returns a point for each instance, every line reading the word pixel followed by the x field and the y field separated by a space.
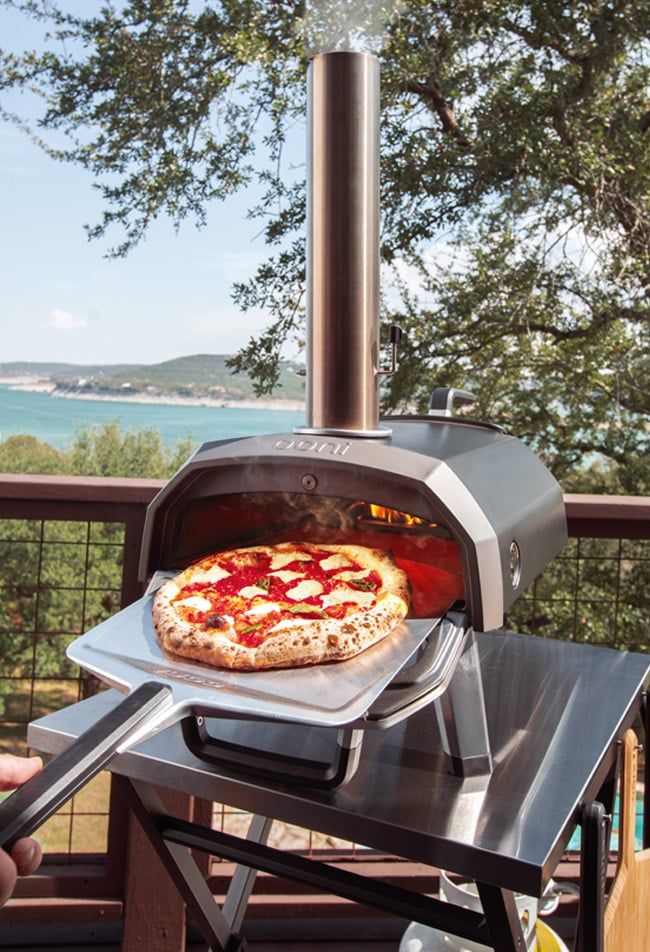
pixel 293 642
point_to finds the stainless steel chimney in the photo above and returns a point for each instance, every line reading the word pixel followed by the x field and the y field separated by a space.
pixel 343 245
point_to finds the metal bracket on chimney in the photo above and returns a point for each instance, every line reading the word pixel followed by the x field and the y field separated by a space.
pixel 395 335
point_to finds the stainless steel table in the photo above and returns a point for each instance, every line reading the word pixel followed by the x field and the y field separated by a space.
pixel 555 712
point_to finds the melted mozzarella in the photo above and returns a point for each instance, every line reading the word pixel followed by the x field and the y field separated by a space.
pixel 263 609
pixel 287 576
pixel 250 591
pixel 341 595
pixel 280 559
pixel 287 623
pixel 214 574
pixel 346 576
pixel 336 561
pixel 196 601
pixel 304 590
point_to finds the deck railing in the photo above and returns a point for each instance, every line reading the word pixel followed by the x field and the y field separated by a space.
pixel 69 549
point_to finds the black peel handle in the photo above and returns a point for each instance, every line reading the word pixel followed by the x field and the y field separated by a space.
pixel 41 796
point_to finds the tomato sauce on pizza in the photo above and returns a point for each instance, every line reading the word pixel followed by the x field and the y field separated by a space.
pixel 258 595
pixel 282 605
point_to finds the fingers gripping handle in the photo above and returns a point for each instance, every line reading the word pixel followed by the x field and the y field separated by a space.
pixel 26 809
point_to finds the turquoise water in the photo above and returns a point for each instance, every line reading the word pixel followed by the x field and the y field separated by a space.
pixel 55 420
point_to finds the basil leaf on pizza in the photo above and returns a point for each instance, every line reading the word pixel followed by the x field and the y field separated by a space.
pixel 278 606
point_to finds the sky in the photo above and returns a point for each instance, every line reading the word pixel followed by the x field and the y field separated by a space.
pixel 61 299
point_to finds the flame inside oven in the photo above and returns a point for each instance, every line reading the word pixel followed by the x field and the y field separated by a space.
pixel 379 517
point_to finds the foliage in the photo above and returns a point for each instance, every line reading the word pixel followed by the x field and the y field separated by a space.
pixel 98 450
pixel 105 451
pixel 515 183
pixel 22 453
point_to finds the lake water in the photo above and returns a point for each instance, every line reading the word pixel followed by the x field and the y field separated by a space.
pixel 55 420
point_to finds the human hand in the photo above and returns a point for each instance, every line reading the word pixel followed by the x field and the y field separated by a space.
pixel 26 854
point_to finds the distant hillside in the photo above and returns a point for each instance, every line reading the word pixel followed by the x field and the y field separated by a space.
pixel 30 368
pixel 197 375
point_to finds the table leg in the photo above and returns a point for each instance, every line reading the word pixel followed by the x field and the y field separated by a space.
pixel 502 917
pixel 405 903
pixel 243 880
pixel 593 874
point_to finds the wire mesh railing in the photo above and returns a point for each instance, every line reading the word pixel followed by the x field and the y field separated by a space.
pixel 596 591
pixel 68 551
pixel 58 579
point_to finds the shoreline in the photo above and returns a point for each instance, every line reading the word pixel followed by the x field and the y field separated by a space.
pixel 41 385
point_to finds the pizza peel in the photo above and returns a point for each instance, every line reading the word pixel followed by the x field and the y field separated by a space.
pixel 627 924
pixel 123 651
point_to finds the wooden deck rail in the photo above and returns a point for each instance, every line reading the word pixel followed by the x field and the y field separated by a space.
pixel 112 887
pixel 608 517
pixel 116 496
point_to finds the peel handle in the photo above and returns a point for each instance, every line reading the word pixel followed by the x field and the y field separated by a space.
pixel 41 796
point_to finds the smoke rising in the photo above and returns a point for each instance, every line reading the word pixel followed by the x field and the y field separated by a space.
pixel 357 25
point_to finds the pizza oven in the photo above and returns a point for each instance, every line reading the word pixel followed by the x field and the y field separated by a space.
pixel 446 494
pixel 468 511
pixel 458 503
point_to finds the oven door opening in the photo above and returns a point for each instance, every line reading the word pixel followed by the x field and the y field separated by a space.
pixel 424 550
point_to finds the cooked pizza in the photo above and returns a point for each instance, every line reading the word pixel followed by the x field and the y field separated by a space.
pixel 280 606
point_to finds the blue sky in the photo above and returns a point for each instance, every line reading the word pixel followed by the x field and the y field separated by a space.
pixel 60 299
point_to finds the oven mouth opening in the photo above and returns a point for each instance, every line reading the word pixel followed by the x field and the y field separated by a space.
pixel 423 549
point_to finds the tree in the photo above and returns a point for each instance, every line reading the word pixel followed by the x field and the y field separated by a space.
pixel 21 453
pixel 107 451
pixel 515 184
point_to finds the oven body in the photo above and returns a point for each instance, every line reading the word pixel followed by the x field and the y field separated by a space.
pixel 492 506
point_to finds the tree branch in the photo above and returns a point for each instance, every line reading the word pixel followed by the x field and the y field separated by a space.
pixel 435 99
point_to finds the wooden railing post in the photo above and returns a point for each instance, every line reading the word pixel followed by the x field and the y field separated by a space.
pixel 154 912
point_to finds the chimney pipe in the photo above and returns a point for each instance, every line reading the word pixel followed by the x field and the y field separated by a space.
pixel 343 245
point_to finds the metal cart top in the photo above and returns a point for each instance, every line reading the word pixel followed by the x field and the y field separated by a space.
pixel 554 710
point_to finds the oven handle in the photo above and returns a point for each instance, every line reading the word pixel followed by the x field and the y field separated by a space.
pixel 279 767
pixel 41 796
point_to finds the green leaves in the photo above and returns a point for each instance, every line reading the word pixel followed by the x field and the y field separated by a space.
pixel 361 584
pixel 102 450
